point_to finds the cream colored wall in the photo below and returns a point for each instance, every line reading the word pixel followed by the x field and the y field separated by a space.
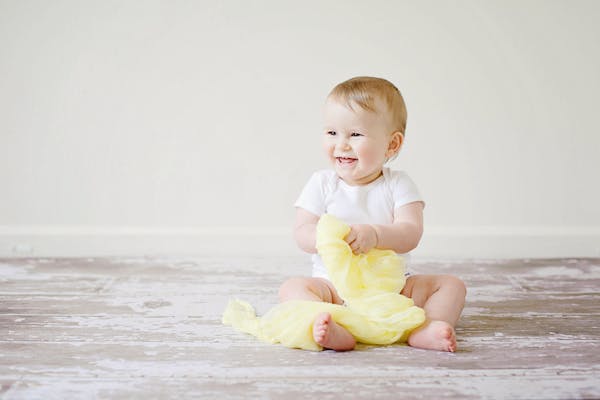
pixel 144 127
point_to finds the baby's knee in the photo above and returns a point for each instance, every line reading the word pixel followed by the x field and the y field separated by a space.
pixel 290 287
pixel 456 284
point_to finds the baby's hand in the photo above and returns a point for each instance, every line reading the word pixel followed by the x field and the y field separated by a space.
pixel 361 238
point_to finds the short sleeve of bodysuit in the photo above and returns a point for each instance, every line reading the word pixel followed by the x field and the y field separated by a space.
pixel 314 194
pixel 403 189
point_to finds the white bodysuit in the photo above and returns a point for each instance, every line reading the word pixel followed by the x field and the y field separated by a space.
pixel 374 203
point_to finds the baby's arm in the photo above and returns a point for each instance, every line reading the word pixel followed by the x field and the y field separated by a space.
pixel 405 233
pixel 402 236
pixel 305 230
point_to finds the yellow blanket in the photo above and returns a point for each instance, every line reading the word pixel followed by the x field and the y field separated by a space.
pixel 374 313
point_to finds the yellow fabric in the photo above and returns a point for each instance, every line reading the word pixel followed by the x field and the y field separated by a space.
pixel 374 313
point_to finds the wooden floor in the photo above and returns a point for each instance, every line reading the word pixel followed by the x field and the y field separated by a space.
pixel 125 328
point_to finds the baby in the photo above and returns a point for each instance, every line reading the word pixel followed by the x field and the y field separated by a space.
pixel 365 121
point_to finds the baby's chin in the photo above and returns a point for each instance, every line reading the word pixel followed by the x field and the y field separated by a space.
pixel 354 179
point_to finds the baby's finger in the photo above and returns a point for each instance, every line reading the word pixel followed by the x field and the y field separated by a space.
pixel 356 247
pixel 350 237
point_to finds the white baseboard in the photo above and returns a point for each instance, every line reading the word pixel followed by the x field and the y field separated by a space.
pixel 509 242
pixel 48 241
pixel 437 243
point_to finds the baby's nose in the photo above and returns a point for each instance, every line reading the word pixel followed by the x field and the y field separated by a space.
pixel 343 143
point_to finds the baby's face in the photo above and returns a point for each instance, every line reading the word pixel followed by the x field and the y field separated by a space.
pixel 356 142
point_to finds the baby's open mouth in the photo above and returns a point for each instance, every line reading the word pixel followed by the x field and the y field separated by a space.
pixel 345 160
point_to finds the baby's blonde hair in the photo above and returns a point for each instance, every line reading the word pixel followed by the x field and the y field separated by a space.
pixel 364 90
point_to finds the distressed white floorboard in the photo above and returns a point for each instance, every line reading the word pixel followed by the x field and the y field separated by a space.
pixel 150 327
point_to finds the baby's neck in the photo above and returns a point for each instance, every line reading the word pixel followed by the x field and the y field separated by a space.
pixel 363 182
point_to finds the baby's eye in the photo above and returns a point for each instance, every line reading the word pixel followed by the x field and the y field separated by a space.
pixel 356 134
pixel 331 133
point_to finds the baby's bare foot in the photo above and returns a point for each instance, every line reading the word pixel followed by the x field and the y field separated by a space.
pixel 331 335
pixel 434 335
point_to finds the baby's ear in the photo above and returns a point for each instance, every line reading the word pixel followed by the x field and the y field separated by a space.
pixel 395 144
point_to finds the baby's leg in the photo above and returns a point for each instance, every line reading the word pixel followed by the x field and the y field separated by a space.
pixel 443 298
pixel 325 331
pixel 315 289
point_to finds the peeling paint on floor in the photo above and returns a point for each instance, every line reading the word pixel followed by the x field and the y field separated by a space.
pixel 150 327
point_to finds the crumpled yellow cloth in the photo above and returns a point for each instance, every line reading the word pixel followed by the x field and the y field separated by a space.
pixel 374 312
